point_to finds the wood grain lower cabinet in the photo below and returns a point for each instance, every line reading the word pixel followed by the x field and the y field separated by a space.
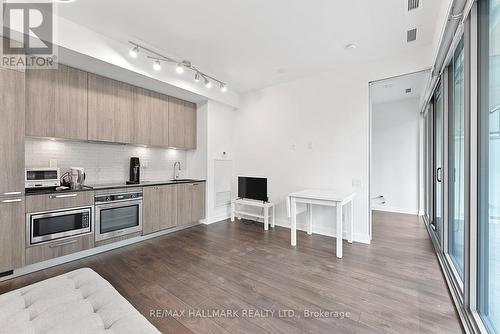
pixel 11 132
pixel 159 208
pixel 56 103
pixel 191 200
pixel 42 203
pixel 12 233
pixel 110 110
pixel 58 248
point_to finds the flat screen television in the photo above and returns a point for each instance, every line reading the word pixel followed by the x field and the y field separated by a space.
pixel 252 188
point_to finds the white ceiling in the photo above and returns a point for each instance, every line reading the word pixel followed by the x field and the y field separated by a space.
pixel 258 43
pixel 394 89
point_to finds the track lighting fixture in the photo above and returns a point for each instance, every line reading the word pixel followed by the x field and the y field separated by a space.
pixel 180 65
pixel 157 65
pixel 208 84
pixel 134 52
pixel 179 68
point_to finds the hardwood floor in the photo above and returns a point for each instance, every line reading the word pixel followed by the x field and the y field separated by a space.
pixel 393 285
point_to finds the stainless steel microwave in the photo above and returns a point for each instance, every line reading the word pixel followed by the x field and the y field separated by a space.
pixel 57 224
pixel 42 177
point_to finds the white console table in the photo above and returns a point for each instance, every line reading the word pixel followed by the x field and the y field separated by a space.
pixel 265 206
pixel 321 197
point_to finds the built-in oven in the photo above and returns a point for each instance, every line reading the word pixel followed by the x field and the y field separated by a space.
pixel 57 224
pixel 117 214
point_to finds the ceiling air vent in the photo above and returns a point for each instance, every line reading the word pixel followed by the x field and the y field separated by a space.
pixel 411 35
pixel 413 4
pixel 408 90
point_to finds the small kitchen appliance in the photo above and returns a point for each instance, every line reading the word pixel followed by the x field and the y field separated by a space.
pixel 135 171
pixel 77 177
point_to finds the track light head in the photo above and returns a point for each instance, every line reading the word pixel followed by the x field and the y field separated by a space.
pixel 157 65
pixel 208 84
pixel 179 68
pixel 223 88
pixel 197 77
pixel 134 52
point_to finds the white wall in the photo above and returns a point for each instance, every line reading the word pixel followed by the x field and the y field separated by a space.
pixel 395 150
pixel 314 132
pixel 221 126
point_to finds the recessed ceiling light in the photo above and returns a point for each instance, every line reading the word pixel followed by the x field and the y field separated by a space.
pixel 350 46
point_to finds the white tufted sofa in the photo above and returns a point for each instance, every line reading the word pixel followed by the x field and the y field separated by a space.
pixel 80 301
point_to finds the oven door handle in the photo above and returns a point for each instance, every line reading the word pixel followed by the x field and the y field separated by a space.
pixel 60 244
pixel 63 196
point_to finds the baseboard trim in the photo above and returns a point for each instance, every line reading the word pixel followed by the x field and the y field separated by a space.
pixel 357 237
pixel 396 210
pixel 89 252
pixel 215 219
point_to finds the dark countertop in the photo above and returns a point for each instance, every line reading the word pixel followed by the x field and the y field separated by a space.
pixel 104 186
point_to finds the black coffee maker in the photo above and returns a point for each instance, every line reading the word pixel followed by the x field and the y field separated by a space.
pixel 135 171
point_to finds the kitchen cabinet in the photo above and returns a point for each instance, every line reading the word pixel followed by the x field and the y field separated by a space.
pixel 150 118
pixel 41 203
pixel 11 233
pixel 58 248
pixel 11 132
pixel 191 199
pixel 56 103
pixel 159 208
pixel 110 110
pixel 182 124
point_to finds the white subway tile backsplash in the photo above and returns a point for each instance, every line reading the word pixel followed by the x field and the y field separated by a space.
pixel 104 163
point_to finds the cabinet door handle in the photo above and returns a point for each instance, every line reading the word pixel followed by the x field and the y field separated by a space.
pixel 63 244
pixel 63 196
pixel 12 200
pixel 12 193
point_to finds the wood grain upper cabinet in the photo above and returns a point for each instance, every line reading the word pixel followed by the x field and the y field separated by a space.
pixel 182 124
pixel 190 125
pixel 159 208
pixel 110 110
pixel 56 103
pixel 11 132
pixel 12 236
pixel 191 203
pixel 150 118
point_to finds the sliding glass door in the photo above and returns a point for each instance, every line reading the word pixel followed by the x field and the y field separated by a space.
pixel 456 161
pixel 437 221
pixel 489 165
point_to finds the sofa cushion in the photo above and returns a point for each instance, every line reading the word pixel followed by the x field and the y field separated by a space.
pixel 80 301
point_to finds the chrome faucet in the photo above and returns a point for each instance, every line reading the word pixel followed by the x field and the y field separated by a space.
pixel 176 175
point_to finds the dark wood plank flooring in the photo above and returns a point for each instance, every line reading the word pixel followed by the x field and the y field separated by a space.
pixel 393 285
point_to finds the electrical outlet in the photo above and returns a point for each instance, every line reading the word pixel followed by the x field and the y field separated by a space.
pixel 310 145
pixel 53 163
pixel 144 163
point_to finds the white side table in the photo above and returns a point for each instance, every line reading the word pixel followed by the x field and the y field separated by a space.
pixel 325 197
pixel 265 206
